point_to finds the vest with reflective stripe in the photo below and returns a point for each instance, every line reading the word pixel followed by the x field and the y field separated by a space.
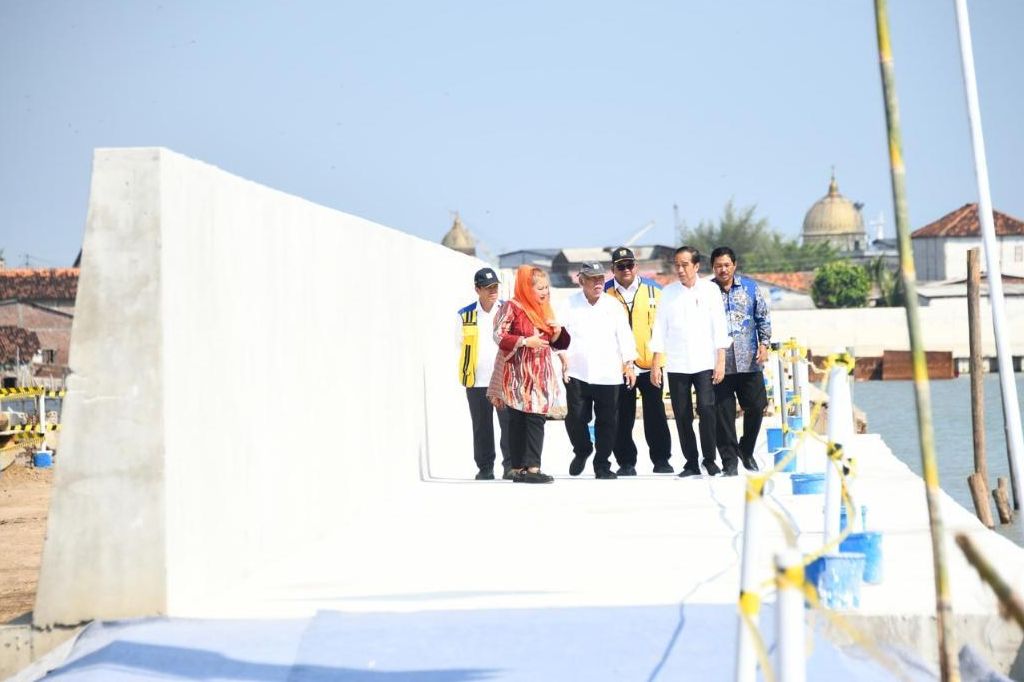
pixel 641 317
pixel 467 358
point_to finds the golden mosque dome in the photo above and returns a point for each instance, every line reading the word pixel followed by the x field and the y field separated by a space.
pixel 835 219
pixel 458 238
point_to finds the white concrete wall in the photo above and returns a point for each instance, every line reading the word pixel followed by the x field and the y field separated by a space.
pixel 870 331
pixel 240 376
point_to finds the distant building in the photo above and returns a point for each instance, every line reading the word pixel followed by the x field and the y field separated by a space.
pixel 18 349
pixel 40 302
pixel 540 257
pixel 940 248
pixel 651 260
pixel 786 290
pixel 837 221
pixel 459 239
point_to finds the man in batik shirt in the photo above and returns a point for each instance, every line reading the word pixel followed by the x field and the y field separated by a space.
pixel 750 327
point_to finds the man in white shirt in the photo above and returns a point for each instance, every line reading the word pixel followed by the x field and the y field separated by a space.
pixel 690 335
pixel 476 362
pixel 599 359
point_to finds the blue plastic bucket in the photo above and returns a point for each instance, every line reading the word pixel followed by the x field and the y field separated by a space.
pixel 842 517
pixel 870 545
pixel 782 454
pixel 774 439
pixel 42 459
pixel 837 578
pixel 808 484
pixel 796 423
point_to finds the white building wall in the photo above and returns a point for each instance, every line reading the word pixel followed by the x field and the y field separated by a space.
pixel 939 258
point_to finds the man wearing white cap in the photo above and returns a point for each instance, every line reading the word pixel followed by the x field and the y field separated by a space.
pixel 600 359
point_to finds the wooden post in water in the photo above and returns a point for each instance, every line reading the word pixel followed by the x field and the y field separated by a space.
pixel 943 601
pixel 1002 498
pixel 978 481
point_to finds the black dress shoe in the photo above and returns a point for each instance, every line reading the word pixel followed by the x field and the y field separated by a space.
pixel 485 475
pixel 534 477
pixel 606 474
pixel 577 464
pixel 686 473
pixel 712 468
pixel 509 475
pixel 749 463
pixel 626 471
pixel 665 468
pixel 729 472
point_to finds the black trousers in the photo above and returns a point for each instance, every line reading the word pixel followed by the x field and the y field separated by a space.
pixel 525 438
pixel 659 440
pixel 679 386
pixel 600 401
pixel 748 388
pixel 481 412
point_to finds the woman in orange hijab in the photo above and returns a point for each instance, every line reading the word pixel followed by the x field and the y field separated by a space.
pixel 527 383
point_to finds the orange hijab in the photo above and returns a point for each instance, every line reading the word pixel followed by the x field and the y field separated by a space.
pixel 539 313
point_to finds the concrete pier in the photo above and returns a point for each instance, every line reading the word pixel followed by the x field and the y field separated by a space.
pixel 204 297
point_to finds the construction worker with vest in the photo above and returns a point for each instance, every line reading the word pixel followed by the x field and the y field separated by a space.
pixel 476 363
pixel 639 297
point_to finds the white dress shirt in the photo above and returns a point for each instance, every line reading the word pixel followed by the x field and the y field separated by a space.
pixel 690 327
pixel 600 339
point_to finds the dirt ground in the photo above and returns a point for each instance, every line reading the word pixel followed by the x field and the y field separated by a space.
pixel 24 503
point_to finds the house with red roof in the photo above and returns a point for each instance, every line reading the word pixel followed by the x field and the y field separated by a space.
pixel 36 311
pixel 940 248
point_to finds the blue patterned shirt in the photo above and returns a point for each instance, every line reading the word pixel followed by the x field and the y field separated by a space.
pixel 750 324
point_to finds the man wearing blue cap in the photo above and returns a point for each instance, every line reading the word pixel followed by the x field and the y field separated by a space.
pixel 476 362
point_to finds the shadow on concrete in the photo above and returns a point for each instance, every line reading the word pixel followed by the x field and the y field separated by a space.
pixel 174 662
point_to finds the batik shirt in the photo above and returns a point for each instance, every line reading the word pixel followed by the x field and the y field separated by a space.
pixel 750 324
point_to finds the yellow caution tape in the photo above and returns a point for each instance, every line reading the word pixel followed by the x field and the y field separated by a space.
pixel 792 577
pixel 755 487
pixel 750 603
pixel 30 391
pixel 30 428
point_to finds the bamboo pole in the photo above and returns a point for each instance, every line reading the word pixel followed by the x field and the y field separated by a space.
pixel 943 602
pixel 1008 599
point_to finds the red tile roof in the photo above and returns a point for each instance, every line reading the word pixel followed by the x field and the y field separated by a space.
pixel 17 343
pixel 799 282
pixel 963 222
pixel 39 284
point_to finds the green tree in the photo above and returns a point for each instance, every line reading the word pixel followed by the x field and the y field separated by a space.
pixel 738 229
pixel 841 284
pixel 758 247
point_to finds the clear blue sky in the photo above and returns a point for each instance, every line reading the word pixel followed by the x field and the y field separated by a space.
pixel 545 123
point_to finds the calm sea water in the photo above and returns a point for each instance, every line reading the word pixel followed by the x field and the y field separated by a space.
pixel 891 412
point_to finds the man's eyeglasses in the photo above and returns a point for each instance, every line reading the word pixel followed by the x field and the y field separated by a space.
pixel 625 265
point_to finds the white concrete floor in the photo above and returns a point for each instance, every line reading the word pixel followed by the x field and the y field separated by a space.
pixel 454 543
